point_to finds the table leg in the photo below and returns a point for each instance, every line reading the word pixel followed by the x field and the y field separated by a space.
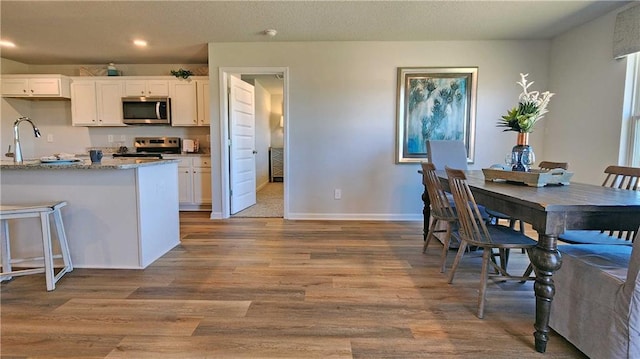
pixel 546 260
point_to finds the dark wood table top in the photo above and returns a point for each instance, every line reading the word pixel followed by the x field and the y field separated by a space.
pixel 576 206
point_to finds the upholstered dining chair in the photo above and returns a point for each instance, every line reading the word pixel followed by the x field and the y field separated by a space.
pixel 442 211
pixel 621 177
pixel 452 153
pixel 495 216
pixel 474 232
pixel 597 295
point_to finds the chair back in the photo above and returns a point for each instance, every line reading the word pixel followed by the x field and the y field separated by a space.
pixel 548 165
pixel 472 226
pixel 440 205
pixel 447 153
pixel 622 177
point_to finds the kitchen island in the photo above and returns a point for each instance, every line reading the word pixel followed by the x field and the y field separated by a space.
pixel 121 213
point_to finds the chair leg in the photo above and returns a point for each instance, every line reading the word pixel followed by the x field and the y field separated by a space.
pixel 445 248
pixel 430 234
pixel 5 248
pixel 527 272
pixel 504 258
pixel 461 249
pixel 484 277
pixel 48 254
pixel 62 239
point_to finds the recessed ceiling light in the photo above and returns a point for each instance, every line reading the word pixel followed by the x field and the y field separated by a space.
pixel 5 43
pixel 140 43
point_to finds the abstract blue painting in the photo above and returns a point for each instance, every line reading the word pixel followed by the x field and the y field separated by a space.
pixel 434 104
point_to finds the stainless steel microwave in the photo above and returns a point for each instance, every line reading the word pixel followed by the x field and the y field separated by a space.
pixel 146 110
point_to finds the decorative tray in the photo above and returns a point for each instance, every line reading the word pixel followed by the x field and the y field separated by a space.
pixel 534 178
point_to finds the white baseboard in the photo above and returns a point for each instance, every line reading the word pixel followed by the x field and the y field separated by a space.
pixel 356 216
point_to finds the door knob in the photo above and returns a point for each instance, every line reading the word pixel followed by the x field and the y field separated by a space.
pixel 255 152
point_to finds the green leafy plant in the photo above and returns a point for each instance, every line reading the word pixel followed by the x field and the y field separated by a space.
pixel 531 109
pixel 182 73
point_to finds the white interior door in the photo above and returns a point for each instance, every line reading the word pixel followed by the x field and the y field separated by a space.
pixel 242 176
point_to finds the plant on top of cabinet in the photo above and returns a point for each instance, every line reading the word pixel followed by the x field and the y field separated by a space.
pixel 182 73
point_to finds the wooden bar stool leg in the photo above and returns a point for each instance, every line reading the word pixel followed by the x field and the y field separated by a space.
pixel 4 247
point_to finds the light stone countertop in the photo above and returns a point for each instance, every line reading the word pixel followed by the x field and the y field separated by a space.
pixel 85 164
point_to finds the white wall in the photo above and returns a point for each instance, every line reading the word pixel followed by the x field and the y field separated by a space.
pixel 277 132
pixel 342 116
pixel 585 117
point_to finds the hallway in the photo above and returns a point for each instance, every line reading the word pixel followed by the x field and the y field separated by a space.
pixel 269 203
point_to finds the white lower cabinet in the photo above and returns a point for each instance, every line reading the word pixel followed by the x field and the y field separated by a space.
pixel 194 183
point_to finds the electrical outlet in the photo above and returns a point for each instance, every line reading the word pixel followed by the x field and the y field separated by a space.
pixel 123 138
pixel 49 138
pixel 337 193
pixel 110 138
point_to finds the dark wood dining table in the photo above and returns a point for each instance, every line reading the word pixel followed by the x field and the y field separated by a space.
pixel 551 210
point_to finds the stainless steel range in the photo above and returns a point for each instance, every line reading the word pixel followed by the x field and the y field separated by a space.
pixel 153 147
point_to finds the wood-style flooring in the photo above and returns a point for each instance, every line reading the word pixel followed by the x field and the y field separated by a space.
pixel 272 288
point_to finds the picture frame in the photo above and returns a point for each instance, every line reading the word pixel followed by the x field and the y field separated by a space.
pixel 435 103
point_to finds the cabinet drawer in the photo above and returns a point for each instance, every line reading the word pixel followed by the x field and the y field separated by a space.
pixel 183 162
pixel 202 162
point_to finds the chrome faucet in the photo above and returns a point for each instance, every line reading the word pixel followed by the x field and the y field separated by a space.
pixel 17 156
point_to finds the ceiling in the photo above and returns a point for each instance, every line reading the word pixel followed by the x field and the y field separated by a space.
pixel 98 32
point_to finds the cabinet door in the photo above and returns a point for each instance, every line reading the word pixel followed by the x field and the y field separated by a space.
pixel 185 185
pixel 204 118
pixel 157 88
pixel 83 103
pixel 109 102
pixel 135 88
pixel 202 185
pixel 147 88
pixel 44 86
pixel 15 87
pixel 183 104
pixel 36 86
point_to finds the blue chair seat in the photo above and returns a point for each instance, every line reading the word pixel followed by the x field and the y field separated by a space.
pixel 592 237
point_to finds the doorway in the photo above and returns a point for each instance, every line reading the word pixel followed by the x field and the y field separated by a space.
pixel 270 141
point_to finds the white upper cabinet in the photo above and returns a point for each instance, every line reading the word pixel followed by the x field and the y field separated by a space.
pixel 83 103
pixel 184 110
pixel 189 102
pixel 204 118
pixel 109 102
pixel 96 102
pixel 151 88
pixel 36 86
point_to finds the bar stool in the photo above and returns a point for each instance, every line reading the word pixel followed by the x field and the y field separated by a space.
pixel 33 211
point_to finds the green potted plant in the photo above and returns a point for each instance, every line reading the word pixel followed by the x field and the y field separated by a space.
pixel 182 73
pixel 531 108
